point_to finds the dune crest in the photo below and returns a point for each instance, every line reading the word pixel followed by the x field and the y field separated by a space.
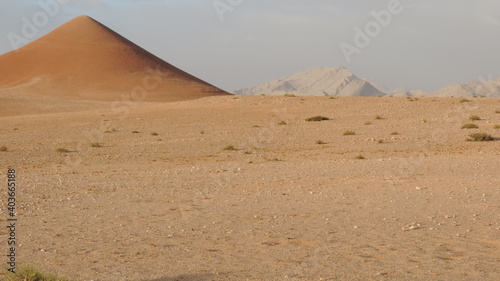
pixel 84 59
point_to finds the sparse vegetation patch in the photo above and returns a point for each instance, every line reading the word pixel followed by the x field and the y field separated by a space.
pixel 95 144
pixel 470 126
pixel 317 118
pixel 230 147
pixel 480 137
pixel 31 273
pixel 3 148
pixel 62 150
pixel 474 118
pixel 349 133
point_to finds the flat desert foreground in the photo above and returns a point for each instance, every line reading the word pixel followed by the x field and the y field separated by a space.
pixel 243 188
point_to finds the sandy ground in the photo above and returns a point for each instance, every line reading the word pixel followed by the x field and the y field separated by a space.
pixel 422 205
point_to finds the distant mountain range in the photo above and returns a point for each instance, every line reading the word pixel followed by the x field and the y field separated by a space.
pixel 329 81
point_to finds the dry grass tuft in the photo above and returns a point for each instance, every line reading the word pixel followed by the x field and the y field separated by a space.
pixel 470 126
pixel 480 137
pixel 317 118
pixel 31 273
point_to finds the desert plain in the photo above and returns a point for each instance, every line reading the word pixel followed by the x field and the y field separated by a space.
pixel 243 188
pixel 128 168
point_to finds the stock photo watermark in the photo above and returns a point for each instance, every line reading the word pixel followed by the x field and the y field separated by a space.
pixel 32 25
pixel 11 220
pixel 225 6
pixel 363 37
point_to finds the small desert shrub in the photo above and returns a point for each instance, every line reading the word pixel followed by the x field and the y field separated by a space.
pixel 464 100
pixel 289 95
pixel 394 133
pixel 470 126
pixel 474 118
pixel 317 118
pixel 480 137
pixel 349 133
pixel 31 273
pixel 62 150
pixel 255 126
pixel 135 132
pixel 154 134
pixel 229 147
pixel 282 123
pixel 96 144
pixel 380 141
pixel 368 123
pixel 379 117
pixel 496 127
pixel 320 142
pixel 3 148
pixel 497 111
pixel 333 98
pixel 248 152
pixel 359 157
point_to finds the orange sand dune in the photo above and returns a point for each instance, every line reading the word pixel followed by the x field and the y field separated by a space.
pixel 84 59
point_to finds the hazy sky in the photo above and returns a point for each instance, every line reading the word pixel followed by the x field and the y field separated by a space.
pixel 426 44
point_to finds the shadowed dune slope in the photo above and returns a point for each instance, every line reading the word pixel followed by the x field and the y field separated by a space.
pixel 84 59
